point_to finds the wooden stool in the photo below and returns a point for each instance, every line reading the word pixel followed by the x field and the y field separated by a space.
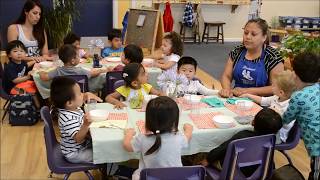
pixel 183 33
pixel 206 31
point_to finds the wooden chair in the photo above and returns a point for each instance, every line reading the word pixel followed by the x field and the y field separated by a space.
pixel 206 31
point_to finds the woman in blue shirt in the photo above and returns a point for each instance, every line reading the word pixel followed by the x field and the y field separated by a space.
pixel 253 64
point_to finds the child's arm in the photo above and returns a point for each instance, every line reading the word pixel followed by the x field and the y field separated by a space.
pixel 88 95
pixel 166 65
pixel 128 135
pixel 206 91
pixel 97 71
pixel 23 78
pixel 156 92
pixel 44 76
pixel 30 63
pixel 188 128
pixel 80 136
pixel 114 99
pixel 255 98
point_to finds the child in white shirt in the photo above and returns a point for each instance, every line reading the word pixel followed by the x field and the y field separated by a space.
pixel 188 66
pixel 282 87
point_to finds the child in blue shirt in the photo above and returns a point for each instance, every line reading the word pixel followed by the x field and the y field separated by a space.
pixel 116 48
pixel 304 106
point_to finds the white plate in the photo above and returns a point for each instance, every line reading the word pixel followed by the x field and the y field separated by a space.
pixel 244 105
pixel 113 59
pixel 223 122
pixel 147 61
pixel 46 64
pixel 99 114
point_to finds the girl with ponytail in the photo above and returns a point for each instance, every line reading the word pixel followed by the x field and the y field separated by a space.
pixel 162 144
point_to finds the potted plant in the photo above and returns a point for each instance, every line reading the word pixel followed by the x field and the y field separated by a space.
pixel 58 20
pixel 296 43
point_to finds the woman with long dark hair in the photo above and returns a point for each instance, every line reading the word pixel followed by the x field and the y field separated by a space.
pixel 30 31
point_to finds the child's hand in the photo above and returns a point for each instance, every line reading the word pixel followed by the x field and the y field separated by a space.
pixel 30 73
pixel 187 127
pixel 245 95
pixel 119 105
pixel 129 132
pixel 88 95
pixel 225 93
pixel 87 120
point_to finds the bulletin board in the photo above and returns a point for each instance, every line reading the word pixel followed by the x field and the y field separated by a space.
pixel 145 29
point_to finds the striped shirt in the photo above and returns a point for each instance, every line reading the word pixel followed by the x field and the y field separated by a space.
pixel 70 123
pixel 271 59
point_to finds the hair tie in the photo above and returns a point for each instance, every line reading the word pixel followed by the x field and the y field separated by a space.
pixel 157 131
pixel 124 75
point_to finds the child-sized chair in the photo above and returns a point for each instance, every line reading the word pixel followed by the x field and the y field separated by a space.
pixel 173 173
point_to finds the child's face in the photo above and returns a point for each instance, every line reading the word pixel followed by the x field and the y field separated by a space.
pixel 75 61
pixel 188 70
pixel 76 44
pixel 166 46
pixel 116 43
pixel 123 59
pixel 142 78
pixel 78 100
pixel 277 91
pixel 17 54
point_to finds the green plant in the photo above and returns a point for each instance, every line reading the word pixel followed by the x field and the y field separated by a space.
pixel 274 22
pixel 296 43
pixel 58 20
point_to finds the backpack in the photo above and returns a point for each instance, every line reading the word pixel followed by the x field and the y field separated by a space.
pixel 22 111
pixel 287 172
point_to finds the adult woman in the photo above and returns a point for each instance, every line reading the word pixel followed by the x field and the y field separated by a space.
pixel 30 31
pixel 253 64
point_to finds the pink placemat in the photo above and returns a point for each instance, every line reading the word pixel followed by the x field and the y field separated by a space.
pixel 141 126
pixel 118 116
pixel 187 106
pixel 204 121
pixel 252 112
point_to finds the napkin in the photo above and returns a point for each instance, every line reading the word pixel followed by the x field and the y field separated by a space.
pixel 213 101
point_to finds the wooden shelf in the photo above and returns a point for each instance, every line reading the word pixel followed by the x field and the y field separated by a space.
pixel 234 3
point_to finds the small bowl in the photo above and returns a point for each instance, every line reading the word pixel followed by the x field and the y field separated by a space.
pixel 113 59
pixel 99 115
pixel 223 122
pixel 148 61
pixel 46 64
pixel 244 105
pixel 195 99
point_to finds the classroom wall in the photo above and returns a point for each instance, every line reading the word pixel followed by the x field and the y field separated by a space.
pixel 235 21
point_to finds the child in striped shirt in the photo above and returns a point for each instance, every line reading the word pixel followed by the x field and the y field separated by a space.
pixel 74 125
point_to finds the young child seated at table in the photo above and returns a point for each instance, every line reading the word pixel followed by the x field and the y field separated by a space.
pixel 17 73
pixel 267 121
pixel 172 49
pixel 282 86
pixel 188 66
pixel 135 88
pixel 67 99
pixel 162 144
pixel 131 54
pixel 115 48
pixel 304 106
pixel 73 39
pixel 69 56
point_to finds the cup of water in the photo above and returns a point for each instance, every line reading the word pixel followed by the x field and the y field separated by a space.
pixel 91 105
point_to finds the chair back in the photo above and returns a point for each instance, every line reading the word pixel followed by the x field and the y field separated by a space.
pixel 111 78
pixel 292 140
pixel 3 93
pixel 249 158
pixel 174 173
pixel 82 80
pixel 118 84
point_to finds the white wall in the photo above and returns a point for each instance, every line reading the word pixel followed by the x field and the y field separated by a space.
pixel 235 21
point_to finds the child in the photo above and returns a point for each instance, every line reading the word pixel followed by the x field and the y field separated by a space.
pixel 162 146
pixel 135 87
pixel 188 66
pixel 115 49
pixel 131 54
pixel 17 74
pixel 67 99
pixel 73 39
pixel 69 56
pixel 304 106
pixel 172 49
pixel 282 87
pixel 267 121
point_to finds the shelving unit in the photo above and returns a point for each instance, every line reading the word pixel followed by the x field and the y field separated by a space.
pixel 234 3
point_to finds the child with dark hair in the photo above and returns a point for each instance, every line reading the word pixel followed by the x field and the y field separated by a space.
pixel 135 88
pixel 161 145
pixel 115 48
pixel 188 66
pixel 172 49
pixel 131 54
pixel 304 106
pixel 69 56
pixel 267 121
pixel 74 40
pixel 66 98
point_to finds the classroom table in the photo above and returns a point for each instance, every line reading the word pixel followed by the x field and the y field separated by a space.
pixel 107 142
pixel 95 83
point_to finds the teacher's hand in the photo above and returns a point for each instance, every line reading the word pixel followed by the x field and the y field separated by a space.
pixel 240 91
pixel 226 93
